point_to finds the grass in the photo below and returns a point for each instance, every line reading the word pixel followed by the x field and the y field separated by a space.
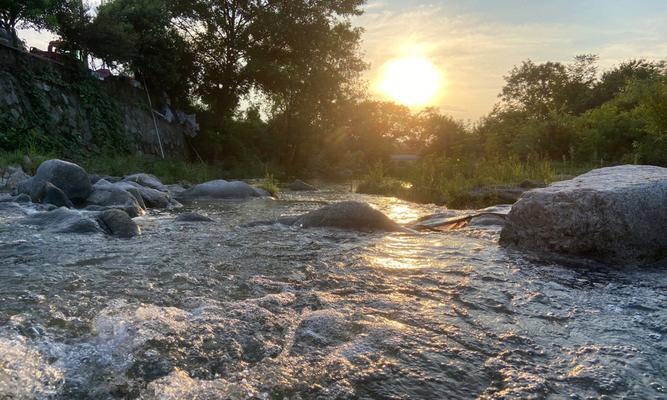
pixel 269 184
pixel 448 181
pixel 167 170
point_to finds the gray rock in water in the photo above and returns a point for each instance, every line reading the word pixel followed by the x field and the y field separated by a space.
pixel 21 198
pixel 351 215
pixel 53 195
pixel 11 177
pixel 299 185
pixel 69 177
pixel 107 195
pixel 118 223
pixel 152 198
pixel 220 189
pixel 147 180
pixel 192 217
pixel 615 215
pixel 62 220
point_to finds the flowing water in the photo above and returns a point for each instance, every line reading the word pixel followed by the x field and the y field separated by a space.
pixel 210 311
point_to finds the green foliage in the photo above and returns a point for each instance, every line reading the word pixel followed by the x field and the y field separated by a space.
pixel 447 181
pixel 269 184
pixel 139 34
pixel 22 13
pixel 38 129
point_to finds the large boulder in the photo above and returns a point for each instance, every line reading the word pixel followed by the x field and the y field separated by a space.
pixel 68 177
pixel 62 220
pixel 351 215
pixel 615 215
pixel 107 195
pixel 118 223
pixel 220 189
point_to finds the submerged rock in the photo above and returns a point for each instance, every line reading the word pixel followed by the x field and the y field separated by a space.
pixel 614 215
pixel 352 215
pixel 118 223
pixel 192 217
pixel 68 177
pixel 62 220
pixel 220 189
pixel 299 185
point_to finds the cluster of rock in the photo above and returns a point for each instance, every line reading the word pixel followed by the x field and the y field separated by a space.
pixel 73 201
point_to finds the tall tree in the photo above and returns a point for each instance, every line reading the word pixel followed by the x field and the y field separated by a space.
pixel 139 34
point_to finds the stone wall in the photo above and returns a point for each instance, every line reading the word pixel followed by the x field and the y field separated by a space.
pixel 50 85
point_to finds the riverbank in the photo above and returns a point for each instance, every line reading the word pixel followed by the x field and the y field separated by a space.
pixel 455 183
pixel 465 183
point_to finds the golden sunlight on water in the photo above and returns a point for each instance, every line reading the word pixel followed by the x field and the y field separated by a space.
pixel 402 213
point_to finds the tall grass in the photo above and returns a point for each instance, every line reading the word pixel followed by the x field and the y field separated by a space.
pixel 168 170
pixel 445 181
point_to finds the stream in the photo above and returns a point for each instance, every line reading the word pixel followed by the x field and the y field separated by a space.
pixel 222 311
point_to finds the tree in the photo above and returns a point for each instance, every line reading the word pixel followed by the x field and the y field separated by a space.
pixel 22 13
pixel 262 44
pixel 139 34
pixel 536 88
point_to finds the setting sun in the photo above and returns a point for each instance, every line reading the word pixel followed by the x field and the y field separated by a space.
pixel 412 81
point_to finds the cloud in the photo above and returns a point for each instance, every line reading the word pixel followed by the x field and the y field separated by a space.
pixel 475 51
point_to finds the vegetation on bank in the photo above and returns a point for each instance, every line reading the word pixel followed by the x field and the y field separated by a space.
pixel 309 114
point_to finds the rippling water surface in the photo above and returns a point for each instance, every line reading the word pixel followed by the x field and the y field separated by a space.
pixel 208 311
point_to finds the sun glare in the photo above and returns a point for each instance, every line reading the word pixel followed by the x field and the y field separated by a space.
pixel 412 81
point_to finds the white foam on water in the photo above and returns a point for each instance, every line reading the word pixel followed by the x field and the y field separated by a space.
pixel 24 373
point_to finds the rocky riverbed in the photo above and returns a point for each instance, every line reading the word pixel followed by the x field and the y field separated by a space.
pixel 225 307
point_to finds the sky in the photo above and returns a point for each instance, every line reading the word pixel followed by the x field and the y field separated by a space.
pixel 474 43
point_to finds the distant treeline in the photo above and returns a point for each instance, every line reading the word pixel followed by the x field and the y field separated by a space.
pixel 278 83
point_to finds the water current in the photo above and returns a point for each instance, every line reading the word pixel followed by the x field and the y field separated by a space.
pixel 217 311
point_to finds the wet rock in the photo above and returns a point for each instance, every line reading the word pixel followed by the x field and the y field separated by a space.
pixel 53 195
pixel 263 192
pixel 147 180
pixel 351 215
pixel 118 223
pixel 21 198
pixel 614 215
pixel 69 177
pixel 299 185
pixel 11 176
pixel 175 189
pixel 62 220
pixel 107 195
pixel 220 189
pixel 192 217
pixel 152 198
